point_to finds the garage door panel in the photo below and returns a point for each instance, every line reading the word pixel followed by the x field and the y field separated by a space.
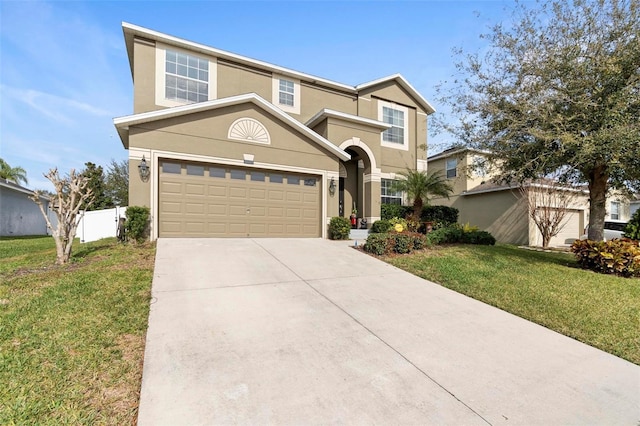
pixel 217 191
pixel 171 207
pixel 199 205
pixel 218 209
pixel 194 189
pixel 277 195
pixel 171 187
pixel 276 212
pixel 191 208
pixel 237 192
pixel 294 197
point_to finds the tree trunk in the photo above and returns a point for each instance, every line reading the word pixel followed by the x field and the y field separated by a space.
pixel 546 238
pixel 417 209
pixel 598 182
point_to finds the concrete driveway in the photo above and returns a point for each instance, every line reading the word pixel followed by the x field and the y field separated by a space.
pixel 310 331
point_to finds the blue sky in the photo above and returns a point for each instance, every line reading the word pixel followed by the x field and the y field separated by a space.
pixel 64 73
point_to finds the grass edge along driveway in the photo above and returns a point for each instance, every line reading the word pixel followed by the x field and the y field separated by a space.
pixel 72 337
pixel 546 288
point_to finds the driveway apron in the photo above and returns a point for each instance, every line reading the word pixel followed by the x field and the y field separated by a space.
pixel 311 331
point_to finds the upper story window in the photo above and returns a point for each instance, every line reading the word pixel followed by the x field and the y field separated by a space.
pixel 187 77
pixel 452 165
pixel 182 77
pixel 286 93
pixel 615 210
pixel 388 196
pixel 398 116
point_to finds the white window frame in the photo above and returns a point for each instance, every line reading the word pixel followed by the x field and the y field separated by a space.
pixel 293 109
pixel 454 169
pixel 404 146
pixel 395 195
pixel 161 56
pixel 616 215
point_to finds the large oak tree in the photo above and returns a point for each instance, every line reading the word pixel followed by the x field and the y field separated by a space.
pixel 557 91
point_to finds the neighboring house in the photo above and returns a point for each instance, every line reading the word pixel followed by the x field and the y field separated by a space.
pixel 242 148
pixel 19 214
pixel 498 208
pixel 634 205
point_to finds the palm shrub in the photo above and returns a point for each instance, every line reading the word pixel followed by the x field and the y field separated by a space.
pixel 339 228
pixel 632 229
pixel 137 224
pixel 420 186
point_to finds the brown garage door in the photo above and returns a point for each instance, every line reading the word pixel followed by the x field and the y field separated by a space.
pixel 206 200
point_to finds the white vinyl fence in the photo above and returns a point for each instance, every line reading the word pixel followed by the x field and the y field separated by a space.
pixel 99 224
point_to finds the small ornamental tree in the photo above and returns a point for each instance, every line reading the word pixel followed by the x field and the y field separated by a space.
pixel 548 205
pixel 71 193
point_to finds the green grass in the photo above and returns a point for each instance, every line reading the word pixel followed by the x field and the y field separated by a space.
pixel 546 288
pixel 72 336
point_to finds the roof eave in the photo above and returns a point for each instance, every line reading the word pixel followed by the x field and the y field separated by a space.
pixel 329 113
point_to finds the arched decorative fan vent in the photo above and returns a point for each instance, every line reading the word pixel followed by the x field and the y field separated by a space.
pixel 249 130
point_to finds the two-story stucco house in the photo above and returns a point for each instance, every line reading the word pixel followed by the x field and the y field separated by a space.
pixel 500 208
pixel 238 147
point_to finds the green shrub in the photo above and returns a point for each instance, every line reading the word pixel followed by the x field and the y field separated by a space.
pixel 137 224
pixel 377 244
pixel 478 237
pixel 388 211
pixel 339 228
pixel 456 234
pixel 395 242
pixel 632 229
pixel 447 235
pixel 381 226
pixel 619 256
pixel 420 241
pixel 403 243
pixel 439 214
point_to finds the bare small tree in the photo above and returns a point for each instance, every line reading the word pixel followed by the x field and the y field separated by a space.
pixel 548 204
pixel 71 193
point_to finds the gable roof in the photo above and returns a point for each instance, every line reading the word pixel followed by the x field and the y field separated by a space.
pixel 402 82
pixel 327 113
pixel 131 31
pixel 456 150
pixel 123 123
pixel 4 183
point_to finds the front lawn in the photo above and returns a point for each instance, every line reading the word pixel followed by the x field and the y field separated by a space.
pixel 72 336
pixel 546 288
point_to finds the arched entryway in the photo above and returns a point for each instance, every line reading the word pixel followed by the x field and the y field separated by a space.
pixel 359 182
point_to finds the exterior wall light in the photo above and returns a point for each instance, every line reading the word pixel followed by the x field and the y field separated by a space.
pixel 144 170
pixel 332 187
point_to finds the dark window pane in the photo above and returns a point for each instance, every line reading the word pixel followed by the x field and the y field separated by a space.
pixel 309 182
pixel 194 170
pixel 275 178
pixel 217 172
pixel 293 180
pixel 257 176
pixel 238 174
pixel 171 168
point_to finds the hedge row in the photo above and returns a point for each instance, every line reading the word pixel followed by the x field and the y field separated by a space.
pixel 442 214
pixel 392 242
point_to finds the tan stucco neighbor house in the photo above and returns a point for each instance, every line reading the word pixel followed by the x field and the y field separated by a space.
pixel 500 209
pixel 238 147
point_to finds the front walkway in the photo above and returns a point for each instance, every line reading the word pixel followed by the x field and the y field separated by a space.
pixel 310 331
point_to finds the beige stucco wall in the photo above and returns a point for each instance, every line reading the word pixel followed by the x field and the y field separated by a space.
pixel 144 76
pixel 501 213
pixel 233 80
